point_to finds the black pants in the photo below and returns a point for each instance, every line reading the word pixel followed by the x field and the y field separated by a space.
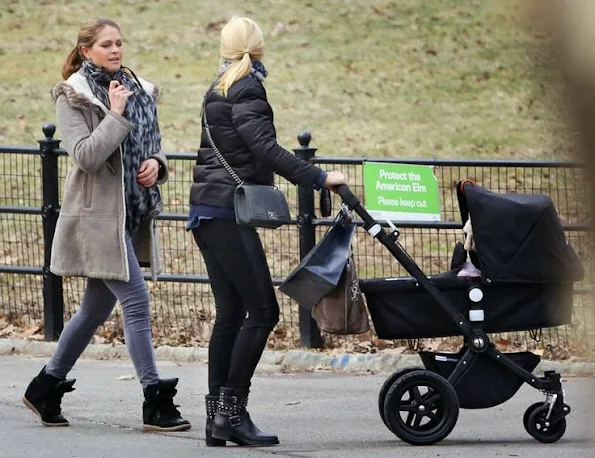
pixel 245 302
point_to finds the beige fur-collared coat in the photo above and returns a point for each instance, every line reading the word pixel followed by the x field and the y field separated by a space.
pixel 90 234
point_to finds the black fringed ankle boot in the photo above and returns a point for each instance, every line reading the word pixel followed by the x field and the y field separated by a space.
pixel 44 397
pixel 232 421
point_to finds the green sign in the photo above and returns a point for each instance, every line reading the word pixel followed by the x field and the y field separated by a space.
pixel 401 192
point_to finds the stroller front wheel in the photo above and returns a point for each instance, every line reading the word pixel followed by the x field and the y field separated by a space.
pixel 541 429
pixel 421 407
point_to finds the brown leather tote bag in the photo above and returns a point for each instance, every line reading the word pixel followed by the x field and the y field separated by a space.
pixel 343 311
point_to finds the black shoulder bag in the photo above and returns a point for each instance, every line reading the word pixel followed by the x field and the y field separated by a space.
pixel 255 205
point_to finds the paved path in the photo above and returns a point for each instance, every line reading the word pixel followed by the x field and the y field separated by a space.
pixel 315 414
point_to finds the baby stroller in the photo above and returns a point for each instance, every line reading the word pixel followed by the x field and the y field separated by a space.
pixel 527 273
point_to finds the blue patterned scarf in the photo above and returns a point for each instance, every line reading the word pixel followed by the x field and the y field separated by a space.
pixel 142 142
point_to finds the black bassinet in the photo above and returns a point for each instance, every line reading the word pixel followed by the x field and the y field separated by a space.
pixel 401 309
pixel 527 273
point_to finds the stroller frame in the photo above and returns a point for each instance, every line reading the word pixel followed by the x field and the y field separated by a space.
pixel 544 421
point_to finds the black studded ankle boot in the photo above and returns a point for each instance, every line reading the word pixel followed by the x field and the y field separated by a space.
pixel 232 421
pixel 44 397
pixel 211 403
pixel 159 411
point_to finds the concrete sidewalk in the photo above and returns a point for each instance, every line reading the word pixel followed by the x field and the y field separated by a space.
pixel 316 414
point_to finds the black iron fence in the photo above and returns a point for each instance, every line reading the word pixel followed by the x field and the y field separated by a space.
pixel 183 311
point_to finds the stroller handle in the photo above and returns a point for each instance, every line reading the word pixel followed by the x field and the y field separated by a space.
pixel 354 204
pixel 348 197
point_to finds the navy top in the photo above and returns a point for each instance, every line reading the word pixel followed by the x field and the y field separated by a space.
pixel 202 212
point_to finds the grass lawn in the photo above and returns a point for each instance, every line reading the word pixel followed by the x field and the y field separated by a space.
pixel 398 78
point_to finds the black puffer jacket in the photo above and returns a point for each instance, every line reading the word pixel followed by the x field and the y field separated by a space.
pixel 241 125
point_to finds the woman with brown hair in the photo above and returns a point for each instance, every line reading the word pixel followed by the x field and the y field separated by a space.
pixel 107 118
pixel 240 122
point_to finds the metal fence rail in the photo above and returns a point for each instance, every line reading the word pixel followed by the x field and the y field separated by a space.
pixel 182 305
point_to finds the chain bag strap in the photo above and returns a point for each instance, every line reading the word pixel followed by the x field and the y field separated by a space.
pixel 254 205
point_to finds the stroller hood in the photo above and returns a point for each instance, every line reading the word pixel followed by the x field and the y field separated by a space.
pixel 518 237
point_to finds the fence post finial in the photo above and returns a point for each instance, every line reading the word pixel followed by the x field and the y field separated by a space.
pixel 304 138
pixel 49 130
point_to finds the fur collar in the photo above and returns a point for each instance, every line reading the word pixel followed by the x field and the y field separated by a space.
pixel 79 95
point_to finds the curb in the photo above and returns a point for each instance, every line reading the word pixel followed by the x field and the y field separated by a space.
pixel 279 361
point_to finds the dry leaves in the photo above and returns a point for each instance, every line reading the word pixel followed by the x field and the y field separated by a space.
pixel 16 330
pixel 285 337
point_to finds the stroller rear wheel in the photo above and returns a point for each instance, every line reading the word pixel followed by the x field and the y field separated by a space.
pixel 386 386
pixel 421 407
pixel 541 429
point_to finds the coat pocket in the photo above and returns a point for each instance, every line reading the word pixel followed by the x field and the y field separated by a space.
pixel 88 190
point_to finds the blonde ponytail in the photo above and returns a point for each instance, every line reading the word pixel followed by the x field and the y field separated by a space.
pixel 242 41
pixel 236 71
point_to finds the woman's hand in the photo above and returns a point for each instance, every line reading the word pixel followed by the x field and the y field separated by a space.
pixel 148 172
pixel 333 179
pixel 118 96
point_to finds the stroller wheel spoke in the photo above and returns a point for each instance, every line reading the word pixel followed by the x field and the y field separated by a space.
pixel 433 399
pixel 410 417
pixel 415 394
pixel 407 407
pixel 432 416
pixel 417 422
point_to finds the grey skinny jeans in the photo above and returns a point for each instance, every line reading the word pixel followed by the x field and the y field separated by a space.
pixel 98 303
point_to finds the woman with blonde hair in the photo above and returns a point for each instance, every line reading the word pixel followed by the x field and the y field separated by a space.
pixel 108 120
pixel 240 122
